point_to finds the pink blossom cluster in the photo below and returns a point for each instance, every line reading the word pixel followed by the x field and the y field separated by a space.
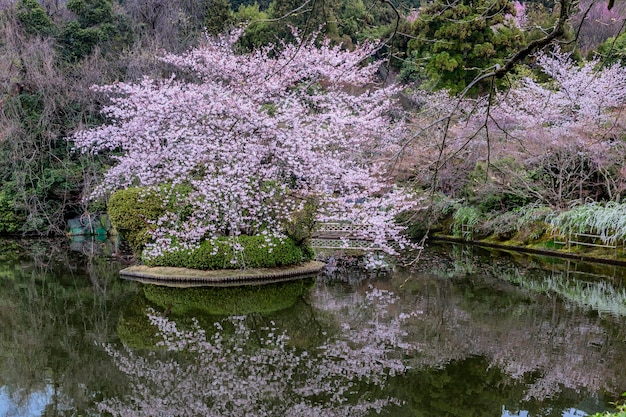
pixel 520 17
pixel 413 15
pixel 566 122
pixel 254 135
pixel 580 107
pixel 578 97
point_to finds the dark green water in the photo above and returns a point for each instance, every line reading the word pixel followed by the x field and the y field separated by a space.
pixel 465 333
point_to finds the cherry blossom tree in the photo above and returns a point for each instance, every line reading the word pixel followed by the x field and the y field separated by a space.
pixel 255 136
pixel 578 97
pixel 554 141
pixel 565 130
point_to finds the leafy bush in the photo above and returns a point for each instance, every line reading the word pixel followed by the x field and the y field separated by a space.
pixel 502 226
pixel 532 214
pixel 10 220
pixel 613 50
pixel 233 253
pixel 133 211
pixel 527 223
pixel 464 215
pixel 420 222
pixel 495 186
pixel 33 18
pixel 533 222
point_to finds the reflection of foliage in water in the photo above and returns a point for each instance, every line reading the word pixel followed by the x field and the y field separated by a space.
pixel 208 304
pixel 600 296
pixel 349 269
pixel 530 337
pixel 456 269
pixel 134 328
pixel 55 307
pixel 479 342
pixel 235 300
pixel 436 391
pixel 239 369
pixel 457 262
pixel 535 336
pixel 535 275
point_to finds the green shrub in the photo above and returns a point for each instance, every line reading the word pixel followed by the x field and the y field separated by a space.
pixel 134 211
pixel 533 222
pixel 502 226
pixel 422 221
pixel 131 212
pixel 467 215
pixel 484 188
pixel 33 18
pixel 534 213
pixel 255 252
pixel 613 50
pixel 525 224
pixel 10 219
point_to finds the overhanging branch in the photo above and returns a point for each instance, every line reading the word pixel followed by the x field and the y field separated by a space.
pixel 557 31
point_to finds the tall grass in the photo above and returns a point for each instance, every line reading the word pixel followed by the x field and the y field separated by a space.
pixel 605 220
pixel 533 214
pixel 464 215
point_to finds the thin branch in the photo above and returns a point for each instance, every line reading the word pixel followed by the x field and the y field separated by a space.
pixel 557 31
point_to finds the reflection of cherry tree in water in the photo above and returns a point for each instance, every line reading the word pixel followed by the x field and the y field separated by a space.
pixel 541 340
pixel 542 346
pixel 476 333
pixel 241 370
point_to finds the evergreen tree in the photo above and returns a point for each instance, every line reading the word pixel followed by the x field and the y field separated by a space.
pixel 95 24
pixel 454 42
pixel 218 16
pixel 33 18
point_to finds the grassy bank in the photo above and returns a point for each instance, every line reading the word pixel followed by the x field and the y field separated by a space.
pixel 593 230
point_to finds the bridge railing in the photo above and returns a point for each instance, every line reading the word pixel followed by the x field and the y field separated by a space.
pixel 589 239
pixel 339 229
pixel 342 235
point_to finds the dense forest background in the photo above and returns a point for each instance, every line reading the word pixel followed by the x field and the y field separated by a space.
pixel 53 51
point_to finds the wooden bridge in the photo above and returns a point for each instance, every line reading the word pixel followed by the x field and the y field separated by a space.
pixel 342 235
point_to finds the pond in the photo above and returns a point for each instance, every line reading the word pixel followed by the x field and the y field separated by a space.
pixel 465 332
